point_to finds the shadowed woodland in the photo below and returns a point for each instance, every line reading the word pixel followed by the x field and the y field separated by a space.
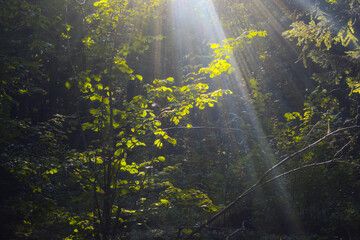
pixel 179 119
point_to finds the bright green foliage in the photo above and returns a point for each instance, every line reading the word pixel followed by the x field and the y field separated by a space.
pixel 260 100
pixel 320 32
pixel 328 37
pixel 111 183
pixel 223 52
pixel 326 31
pixel 182 99
pixel 320 109
pixel 107 171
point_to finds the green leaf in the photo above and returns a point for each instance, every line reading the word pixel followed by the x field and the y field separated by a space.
pixel 93 98
pixel 106 101
pixel 214 45
pixel 129 144
pixel 52 171
pixel 172 141
pixel 139 77
pixel 100 86
pixel 123 162
pixel 133 171
pixel 67 85
pixel 157 123
pixel 118 152
pixel 165 201
pixel 175 120
pixel 99 160
pixel 144 113
pixel 98 3
pixel 94 111
pixel 201 106
pixel 158 143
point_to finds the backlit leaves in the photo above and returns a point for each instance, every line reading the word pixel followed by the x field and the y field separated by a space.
pixel 322 32
pixel 222 53
pixel 158 143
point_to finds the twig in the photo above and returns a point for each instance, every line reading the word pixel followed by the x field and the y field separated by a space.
pixel 308 134
pixel 233 233
pixel 336 160
pixel 303 150
pixel 343 147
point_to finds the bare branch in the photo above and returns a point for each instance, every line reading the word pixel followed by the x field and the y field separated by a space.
pixel 350 141
pixel 261 182
pixel 303 150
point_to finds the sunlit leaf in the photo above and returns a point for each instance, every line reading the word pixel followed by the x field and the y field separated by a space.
pixel 144 113
pixel 158 143
pixel 164 201
pixel 214 45
pixel 139 77
pixel 67 85
pixel 172 141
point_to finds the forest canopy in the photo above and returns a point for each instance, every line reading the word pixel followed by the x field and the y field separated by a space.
pixel 179 119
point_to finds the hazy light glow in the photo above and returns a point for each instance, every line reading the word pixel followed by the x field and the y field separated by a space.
pixel 194 25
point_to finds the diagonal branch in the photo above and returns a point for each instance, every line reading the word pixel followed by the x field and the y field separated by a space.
pixel 262 178
pixel 262 181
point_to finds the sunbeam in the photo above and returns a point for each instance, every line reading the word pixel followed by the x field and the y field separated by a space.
pixel 208 29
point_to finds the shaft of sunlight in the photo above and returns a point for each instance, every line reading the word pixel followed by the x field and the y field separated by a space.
pixel 194 23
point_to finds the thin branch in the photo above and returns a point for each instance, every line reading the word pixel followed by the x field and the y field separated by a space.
pixel 256 186
pixel 261 182
pixel 351 140
pixel 303 150
pixel 308 134
pixel 336 160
